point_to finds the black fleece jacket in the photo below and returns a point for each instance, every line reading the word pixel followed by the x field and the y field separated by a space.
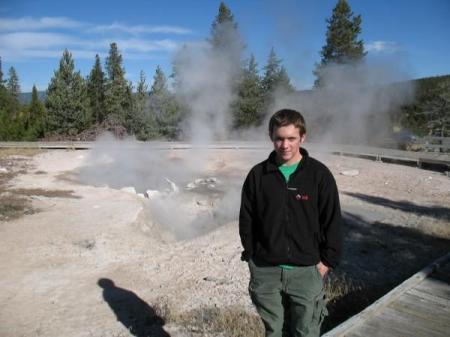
pixel 295 223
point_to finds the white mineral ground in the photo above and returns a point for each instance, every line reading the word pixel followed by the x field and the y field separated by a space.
pixel 51 261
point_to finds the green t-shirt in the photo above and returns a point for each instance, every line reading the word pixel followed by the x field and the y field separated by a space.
pixel 287 170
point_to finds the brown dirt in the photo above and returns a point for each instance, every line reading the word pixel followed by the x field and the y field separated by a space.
pixel 92 262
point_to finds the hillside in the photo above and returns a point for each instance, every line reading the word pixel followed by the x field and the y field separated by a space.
pixel 25 97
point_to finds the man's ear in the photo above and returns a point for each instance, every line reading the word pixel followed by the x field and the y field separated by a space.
pixel 302 138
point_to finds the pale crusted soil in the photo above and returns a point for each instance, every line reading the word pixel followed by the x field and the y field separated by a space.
pixel 51 261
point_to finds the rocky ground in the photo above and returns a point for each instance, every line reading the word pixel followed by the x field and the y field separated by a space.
pixel 84 257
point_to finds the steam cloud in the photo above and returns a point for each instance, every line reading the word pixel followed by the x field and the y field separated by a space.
pixel 147 166
pixel 206 76
pixel 351 108
pixel 354 104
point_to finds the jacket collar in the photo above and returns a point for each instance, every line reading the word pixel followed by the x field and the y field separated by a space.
pixel 271 162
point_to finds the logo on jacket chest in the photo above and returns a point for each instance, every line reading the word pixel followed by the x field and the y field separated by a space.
pixel 299 195
pixel 302 197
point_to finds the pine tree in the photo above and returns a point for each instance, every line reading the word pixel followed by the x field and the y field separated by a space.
pixel 226 42
pixel 8 123
pixel 271 71
pixel 248 107
pixel 117 95
pixel 163 106
pixel 143 123
pixel 227 48
pixel 12 84
pixel 13 87
pixel 275 76
pixel 11 121
pixel 1 73
pixel 35 121
pixel 223 29
pixel 96 91
pixel 67 102
pixel 436 109
pixel 141 92
pixel 342 44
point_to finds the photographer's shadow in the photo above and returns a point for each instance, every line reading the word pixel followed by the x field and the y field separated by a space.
pixel 134 313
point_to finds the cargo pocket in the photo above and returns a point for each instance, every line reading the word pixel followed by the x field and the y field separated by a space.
pixel 320 309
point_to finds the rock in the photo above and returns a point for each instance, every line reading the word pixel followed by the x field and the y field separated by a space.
pixel 190 186
pixel 86 244
pixel 152 194
pixel 203 203
pixel 129 189
pixel 350 173
pixel 173 186
pixel 210 182
pixel 141 195
pixel 3 170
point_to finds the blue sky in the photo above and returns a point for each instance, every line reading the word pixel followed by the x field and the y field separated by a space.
pixel 412 37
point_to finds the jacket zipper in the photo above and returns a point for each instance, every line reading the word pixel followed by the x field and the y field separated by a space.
pixel 286 201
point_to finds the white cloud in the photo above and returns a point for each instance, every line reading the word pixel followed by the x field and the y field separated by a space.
pixel 29 23
pixel 383 46
pixel 139 29
pixel 28 38
pixel 146 45
pixel 27 45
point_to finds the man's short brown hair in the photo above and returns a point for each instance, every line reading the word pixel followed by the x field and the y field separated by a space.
pixel 286 117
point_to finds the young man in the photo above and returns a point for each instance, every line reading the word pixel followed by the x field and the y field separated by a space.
pixel 290 228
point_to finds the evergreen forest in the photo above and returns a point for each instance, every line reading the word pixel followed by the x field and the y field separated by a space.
pixel 74 107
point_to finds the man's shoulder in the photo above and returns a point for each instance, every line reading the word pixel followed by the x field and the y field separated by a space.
pixel 259 167
pixel 318 167
pixel 316 164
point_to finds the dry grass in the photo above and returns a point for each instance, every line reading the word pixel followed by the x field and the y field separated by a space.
pixel 13 207
pixel 232 321
pixel 6 152
pixel 235 321
pixel 15 203
pixel 44 193
pixel 336 287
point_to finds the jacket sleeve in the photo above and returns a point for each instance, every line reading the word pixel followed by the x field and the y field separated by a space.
pixel 330 220
pixel 246 217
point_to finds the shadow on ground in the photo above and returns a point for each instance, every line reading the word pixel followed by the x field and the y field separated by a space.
pixel 379 256
pixel 437 212
pixel 135 314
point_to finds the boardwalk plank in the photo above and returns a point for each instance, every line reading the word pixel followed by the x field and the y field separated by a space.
pixel 389 325
pixel 419 307
pixel 422 309
pixel 445 302
pixel 368 330
pixel 434 287
pixel 410 325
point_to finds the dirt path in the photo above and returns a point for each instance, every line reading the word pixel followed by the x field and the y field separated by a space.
pixel 77 266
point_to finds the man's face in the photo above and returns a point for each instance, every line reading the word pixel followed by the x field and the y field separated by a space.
pixel 286 142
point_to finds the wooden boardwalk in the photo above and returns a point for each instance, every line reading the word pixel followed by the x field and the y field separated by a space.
pixel 437 161
pixel 419 307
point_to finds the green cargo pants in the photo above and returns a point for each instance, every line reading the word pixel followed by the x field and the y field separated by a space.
pixel 289 301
